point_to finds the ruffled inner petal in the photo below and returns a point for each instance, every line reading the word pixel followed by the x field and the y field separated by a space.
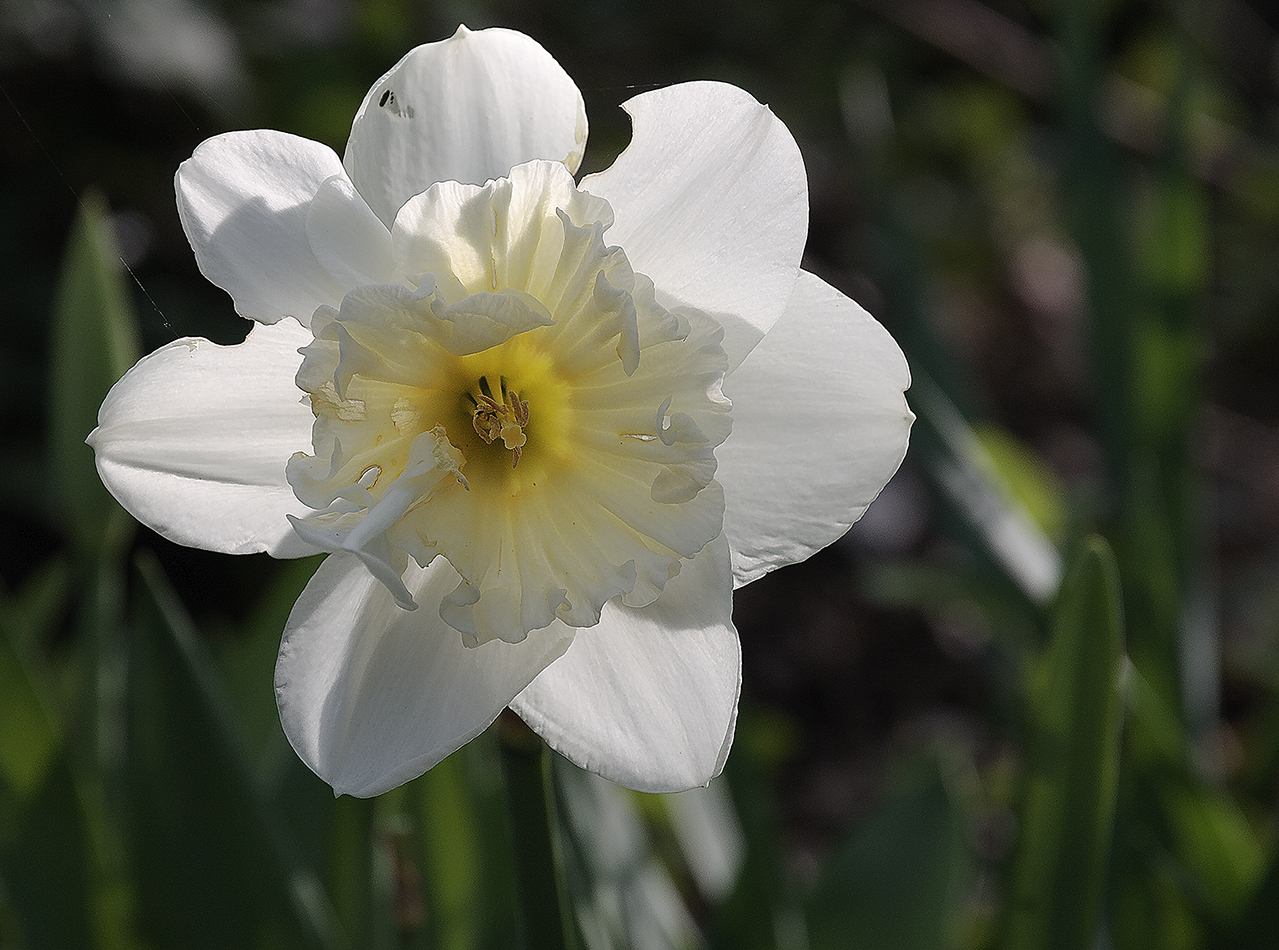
pixel 583 414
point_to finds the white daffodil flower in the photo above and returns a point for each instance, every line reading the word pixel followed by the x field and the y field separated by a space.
pixel 544 428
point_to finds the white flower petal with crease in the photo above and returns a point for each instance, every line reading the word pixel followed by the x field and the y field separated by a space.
pixel 371 696
pixel 243 198
pixel 347 238
pixel 194 439
pixel 820 423
pixel 711 202
pixel 465 109
pixel 648 697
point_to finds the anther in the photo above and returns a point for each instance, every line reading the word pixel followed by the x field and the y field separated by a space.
pixel 505 419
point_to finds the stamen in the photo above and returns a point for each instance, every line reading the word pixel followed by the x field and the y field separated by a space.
pixel 505 419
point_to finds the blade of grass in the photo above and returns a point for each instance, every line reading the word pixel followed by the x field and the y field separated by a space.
pixel 1068 806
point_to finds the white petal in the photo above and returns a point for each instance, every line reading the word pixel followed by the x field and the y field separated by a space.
pixel 648 697
pixel 372 696
pixel 711 202
pixel 464 109
pixel 243 199
pixel 346 236
pixel 820 423
pixel 194 439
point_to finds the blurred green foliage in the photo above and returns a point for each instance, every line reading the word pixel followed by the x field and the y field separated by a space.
pixel 1067 212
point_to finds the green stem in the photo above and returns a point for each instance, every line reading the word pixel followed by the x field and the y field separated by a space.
pixel 539 865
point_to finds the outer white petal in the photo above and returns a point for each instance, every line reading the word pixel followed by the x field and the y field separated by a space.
pixel 464 109
pixel 346 237
pixel 711 202
pixel 194 439
pixel 648 697
pixel 372 696
pixel 243 199
pixel 820 423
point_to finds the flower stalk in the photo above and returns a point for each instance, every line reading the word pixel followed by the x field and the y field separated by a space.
pixel 539 861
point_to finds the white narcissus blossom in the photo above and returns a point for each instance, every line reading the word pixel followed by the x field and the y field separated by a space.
pixel 544 428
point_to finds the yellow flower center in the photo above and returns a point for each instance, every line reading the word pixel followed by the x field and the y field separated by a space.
pixel 511 443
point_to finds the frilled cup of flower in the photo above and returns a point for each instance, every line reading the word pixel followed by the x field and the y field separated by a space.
pixel 542 427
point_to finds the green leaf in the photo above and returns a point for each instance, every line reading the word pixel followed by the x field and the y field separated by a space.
pixel 30 735
pixel 973 485
pixel 246 660
pixel 1217 846
pixel 762 911
pixel 215 862
pixel 1028 478
pixel 95 340
pixel 1178 238
pixel 46 862
pixel 898 882
pixel 538 850
pixel 1073 760
pixel 454 864
pixel 1259 922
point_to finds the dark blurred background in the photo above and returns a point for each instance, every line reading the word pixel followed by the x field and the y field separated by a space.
pixel 1068 215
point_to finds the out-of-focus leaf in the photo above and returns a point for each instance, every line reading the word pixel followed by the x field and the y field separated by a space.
pixel 46 857
pixel 30 735
pixel 46 846
pixel 31 612
pixel 214 862
pixel 246 659
pixel 1029 480
pixel 1068 807
pixel 762 912
pixel 1165 390
pixel 898 882
pixel 536 838
pixel 624 897
pixel 454 864
pixel 980 599
pixel 971 482
pixel 1259 921
pixel 1178 244
pixel 1217 846
pixel 246 662
pixel 483 831
pixel 1154 738
pixel 1211 858
pixel 350 871
pixel 95 339
pixel 710 837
